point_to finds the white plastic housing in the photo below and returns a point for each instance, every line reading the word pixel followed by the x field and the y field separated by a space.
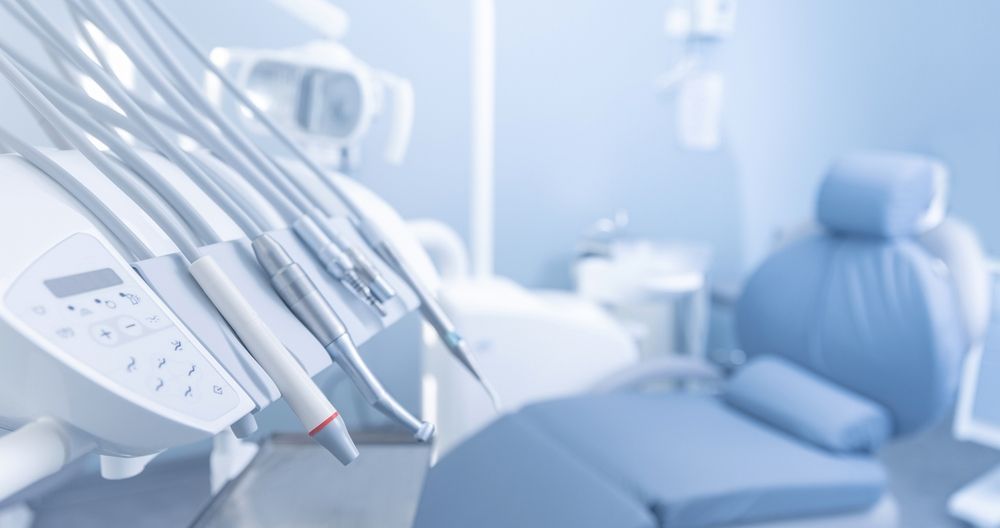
pixel 58 362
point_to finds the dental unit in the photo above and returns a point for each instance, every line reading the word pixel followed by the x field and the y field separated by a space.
pixel 251 328
pixel 346 354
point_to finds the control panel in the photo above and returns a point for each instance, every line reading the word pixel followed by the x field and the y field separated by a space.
pixel 82 301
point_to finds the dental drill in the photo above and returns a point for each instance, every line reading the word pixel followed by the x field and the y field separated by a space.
pixel 303 299
pixel 430 308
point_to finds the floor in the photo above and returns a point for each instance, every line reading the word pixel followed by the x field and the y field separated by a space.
pixel 924 471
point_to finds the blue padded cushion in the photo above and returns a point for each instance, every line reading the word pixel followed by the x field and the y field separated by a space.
pixel 510 474
pixel 696 462
pixel 802 404
pixel 882 194
pixel 878 317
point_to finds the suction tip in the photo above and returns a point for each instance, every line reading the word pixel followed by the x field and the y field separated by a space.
pixel 337 440
pixel 426 432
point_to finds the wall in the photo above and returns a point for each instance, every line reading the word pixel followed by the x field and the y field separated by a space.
pixel 581 131
pixel 813 79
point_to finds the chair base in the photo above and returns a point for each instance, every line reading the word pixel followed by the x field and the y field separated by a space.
pixel 978 503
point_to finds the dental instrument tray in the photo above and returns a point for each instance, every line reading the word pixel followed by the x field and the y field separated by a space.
pixel 293 482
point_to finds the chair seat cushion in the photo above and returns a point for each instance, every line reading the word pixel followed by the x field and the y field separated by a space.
pixel 696 462
pixel 511 474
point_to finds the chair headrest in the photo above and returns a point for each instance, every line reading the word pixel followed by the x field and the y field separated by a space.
pixel 883 194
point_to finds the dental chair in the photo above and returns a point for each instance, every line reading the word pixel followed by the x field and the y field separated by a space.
pixel 855 335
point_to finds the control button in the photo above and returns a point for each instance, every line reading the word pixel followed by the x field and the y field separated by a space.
pixel 132 298
pixel 84 312
pixel 161 363
pixel 217 389
pixel 185 370
pixel 132 365
pixel 155 321
pixel 39 310
pixel 129 326
pixel 104 334
pixel 66 333
pixel 111 305
pixel 192 372
pixel 177 345
pixel 158 384
pixel 189 393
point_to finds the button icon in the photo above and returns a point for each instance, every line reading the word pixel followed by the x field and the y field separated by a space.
pixel 159 385
pixel 39 310
pixel 161 362
pixel 84 312
pixel 177 345
pixel 155 321
pixel 65 333
pixel 104 334
pixel 110 304
pixel 130 297
pixel 132 366
pixel 129 326
pixel 189 393
pixel 217 389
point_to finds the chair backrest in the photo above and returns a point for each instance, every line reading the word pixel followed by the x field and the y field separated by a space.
pixel 886 299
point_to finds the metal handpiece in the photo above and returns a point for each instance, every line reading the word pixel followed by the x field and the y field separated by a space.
pixel 302 297
pixel 380 287
pixel 376 283
pixel 335 261
pixel 434 314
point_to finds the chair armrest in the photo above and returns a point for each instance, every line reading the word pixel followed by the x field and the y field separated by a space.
pixel 658 370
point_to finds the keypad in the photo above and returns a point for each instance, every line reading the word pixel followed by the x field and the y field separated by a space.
pixel 122 334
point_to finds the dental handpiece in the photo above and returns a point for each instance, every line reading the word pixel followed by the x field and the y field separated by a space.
pixel 379 287
pixel 304 300
pixel 310 405
pixel 433 313
pixel 336 262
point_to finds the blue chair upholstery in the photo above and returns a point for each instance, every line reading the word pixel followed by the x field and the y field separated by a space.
pixel 867 326
pixel 821 413
pixel 512 474
pixel 878 316
pixel 695 462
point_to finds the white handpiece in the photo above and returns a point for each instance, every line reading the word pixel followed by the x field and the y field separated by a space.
pixel 307 401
